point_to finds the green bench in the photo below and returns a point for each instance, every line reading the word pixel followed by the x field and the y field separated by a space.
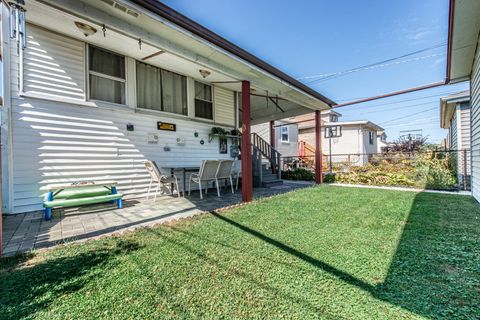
pixel 74 195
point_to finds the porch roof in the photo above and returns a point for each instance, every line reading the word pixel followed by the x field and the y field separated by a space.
pixel 186 48
pixel 463 38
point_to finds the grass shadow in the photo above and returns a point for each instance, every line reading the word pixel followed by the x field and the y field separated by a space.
pixel 28 289
pixel 436 268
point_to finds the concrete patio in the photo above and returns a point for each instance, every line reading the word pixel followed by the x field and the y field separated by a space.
pixel 25 232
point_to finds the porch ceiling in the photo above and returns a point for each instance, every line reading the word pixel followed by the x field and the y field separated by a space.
pixel 184 52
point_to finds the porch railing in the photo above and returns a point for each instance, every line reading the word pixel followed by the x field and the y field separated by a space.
pixel 267 151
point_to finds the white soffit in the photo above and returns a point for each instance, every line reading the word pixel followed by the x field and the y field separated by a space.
pixel 466 27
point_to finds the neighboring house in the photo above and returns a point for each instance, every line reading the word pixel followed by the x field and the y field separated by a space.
pixel 357 142
pixel 463 63
pixel 382 143
pixel 91 89
pixel 286 136
pixel 455 117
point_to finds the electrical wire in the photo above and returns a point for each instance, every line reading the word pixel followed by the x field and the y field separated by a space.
pixel 407 116
pixel 336 74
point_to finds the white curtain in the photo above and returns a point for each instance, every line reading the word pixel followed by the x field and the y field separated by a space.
pixel 149 91
pixel 109 64
pixel 162 90
pixel 174 92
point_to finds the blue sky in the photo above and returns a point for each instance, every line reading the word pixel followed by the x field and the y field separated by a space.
pixel 311 38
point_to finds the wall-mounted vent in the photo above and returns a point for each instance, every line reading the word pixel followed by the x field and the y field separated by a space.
pixel 121 7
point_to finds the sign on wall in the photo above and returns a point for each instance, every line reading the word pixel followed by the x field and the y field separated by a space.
pixel 166 126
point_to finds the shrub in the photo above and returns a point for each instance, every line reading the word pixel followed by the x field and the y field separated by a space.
pixel 298 174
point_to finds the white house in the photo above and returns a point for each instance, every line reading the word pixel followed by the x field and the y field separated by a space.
pixel 455 117
pixel 354 142
pixel 463 64
pixel 90 86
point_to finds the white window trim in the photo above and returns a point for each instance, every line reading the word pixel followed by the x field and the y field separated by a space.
pixel 212 102
pixel 288 134
pixel 88 72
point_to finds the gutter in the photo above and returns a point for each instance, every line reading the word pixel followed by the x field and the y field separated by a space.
pixel 450 41
pixel 191 26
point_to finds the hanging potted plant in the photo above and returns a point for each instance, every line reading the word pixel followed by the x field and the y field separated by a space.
pixel 219 131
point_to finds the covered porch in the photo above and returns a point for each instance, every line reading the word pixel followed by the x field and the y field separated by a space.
pixel 29 231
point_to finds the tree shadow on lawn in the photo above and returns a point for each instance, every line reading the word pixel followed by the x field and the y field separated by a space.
pixel 435 270
pixel 26 290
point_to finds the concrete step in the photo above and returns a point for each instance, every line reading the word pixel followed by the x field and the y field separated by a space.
pixel 272 183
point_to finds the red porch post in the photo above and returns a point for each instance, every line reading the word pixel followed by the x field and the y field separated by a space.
pixel 318 148
pixel 272 139
pixel 247 181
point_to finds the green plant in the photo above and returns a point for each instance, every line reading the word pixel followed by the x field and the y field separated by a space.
pixel 219 131
pixel 298 174
pixel 235 132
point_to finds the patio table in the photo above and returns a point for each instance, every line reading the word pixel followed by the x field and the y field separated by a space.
pixel 184 170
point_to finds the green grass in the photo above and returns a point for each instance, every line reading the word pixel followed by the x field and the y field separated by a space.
pixel 328 253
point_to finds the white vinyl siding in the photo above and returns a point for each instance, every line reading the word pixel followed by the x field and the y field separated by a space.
pixel 465 125
pixel 224 106
pixel 475 119
pixel 54 141
pixel 54 65
pixel 454 133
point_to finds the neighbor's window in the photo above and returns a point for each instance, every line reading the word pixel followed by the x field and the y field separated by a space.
pixel 161 90
pixel 284 134
pixel 371 137
pixel 203 101
pixel 106 75
pixel 333 118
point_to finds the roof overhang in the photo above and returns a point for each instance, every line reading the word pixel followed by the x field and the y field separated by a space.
pixel 187 47
pixel 448 106
pixel 464 28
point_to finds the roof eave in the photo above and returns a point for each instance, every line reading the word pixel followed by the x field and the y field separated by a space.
pixel 191 26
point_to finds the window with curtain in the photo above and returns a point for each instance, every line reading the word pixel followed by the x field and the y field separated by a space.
pixel 106 75
pixel 161 90
pixel 203 101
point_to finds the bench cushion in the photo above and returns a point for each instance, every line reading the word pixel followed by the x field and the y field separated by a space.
pixel 82 192
pixel 81 201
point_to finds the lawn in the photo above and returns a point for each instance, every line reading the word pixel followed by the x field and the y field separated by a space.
pixel 327 253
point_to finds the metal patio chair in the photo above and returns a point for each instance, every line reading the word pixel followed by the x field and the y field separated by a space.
pixel 206 174
pixel 159 179
pixel 224 173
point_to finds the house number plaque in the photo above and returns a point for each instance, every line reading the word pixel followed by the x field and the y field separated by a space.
pixel 166 126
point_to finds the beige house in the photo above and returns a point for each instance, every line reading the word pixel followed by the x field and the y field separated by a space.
pixel 355 142
pixel 455 117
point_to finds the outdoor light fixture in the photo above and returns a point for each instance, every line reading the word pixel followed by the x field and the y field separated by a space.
pixel 85 28
pixel 204 73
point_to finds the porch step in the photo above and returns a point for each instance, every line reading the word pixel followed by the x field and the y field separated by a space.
pixel 272 183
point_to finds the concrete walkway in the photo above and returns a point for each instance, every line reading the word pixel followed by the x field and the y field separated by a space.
pixel 24 232
pixel 461 192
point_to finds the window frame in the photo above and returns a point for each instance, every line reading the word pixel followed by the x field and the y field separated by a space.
pixel 105 76
pixel 371 137
pixel 288 134
pixel 333 118
pixel 212 102
pixel 162 111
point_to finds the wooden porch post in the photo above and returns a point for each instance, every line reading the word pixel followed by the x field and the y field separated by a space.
pixel 272 140
pixel 318 148
pixel 247 180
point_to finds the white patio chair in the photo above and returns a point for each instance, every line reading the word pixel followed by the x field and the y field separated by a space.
pixel 207 173
pixel 237 172
pixel 224 173
pixel 159 179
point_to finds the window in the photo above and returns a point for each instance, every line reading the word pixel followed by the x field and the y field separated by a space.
pixel 161 90
pixel 371 137
pixel 284 134
pixel 106 75
pixel 203 101
pixel 333 118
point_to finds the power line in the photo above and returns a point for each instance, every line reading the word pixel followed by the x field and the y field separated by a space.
pixel 341 74
pixel 407 116
pixel 372 64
